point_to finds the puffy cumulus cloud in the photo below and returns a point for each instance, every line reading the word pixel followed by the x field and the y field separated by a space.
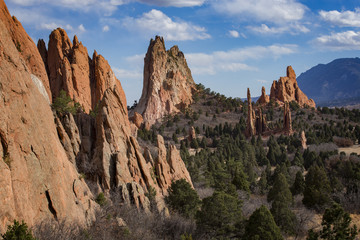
pixel 174 3
pixel 293 29
pixel 156 22
pixel 344 18
pixel 234 60
pixel 234 34
pixel 348 40
pixel 277 11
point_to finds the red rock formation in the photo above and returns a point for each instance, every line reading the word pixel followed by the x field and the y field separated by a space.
pixel 37 181
pixel 287 119
pixel 264 99
pixel 303 140
pixel 168 84
pixel 286 89
pixel 192 133
pixel 260 122
pixel 137 119
pixel 250 121
pixel 26 47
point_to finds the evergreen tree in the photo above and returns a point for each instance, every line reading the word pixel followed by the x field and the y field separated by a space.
pixel 219 214
pixel 18 231
pixel 299 184
pixel 183 198
pixel 335 226
pixel 261 225
pixel 317 188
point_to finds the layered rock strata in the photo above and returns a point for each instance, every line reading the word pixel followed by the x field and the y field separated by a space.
pixel 286 89
pixel 168 85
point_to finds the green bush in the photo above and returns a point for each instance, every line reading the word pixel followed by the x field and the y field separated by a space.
pixel 18 231
pixel 101 199
pixel 64 104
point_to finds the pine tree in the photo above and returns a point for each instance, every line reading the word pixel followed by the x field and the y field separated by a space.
pixel 299 184
pixel 261 225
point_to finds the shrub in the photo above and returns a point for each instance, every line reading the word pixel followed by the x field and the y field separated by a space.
pixel 18 231
pixel 64 104
pixel 101 199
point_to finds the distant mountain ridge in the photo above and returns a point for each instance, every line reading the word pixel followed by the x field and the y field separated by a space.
pixel 335 83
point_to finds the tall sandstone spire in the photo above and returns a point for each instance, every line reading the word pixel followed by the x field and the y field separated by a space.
pixel 168 85
pixel 286 89
pixel 250 121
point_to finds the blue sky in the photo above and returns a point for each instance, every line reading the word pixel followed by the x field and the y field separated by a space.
pixel 229 44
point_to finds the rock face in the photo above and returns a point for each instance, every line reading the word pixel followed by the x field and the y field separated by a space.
pixel 37 180
pixel 264 99
pixel 25 46
pixel 256 120
pixel 168 84
pixel 303 140
pixel 250 121
pixel 286 89
pixel 71 69
pixel 137 119
pixel 287 119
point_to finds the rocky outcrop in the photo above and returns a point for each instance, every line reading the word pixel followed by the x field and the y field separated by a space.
pixel 264 99
pixel 71 69
pixel 137 119
pixel 169 170
pixel 286 89
pixel 287 119
pixel 260 122
pixel 303 140
pixel 37 180
pixel 250 120
pixel 168 84
pixel 25 46
pixel 192 133
pixel 256 121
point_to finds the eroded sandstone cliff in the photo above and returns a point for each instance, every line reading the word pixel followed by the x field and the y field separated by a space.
pixel 168 84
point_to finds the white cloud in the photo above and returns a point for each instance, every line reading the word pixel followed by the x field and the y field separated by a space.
pixel 128 74
pixel 174 3
pixel 277 11
pixel 233 60
pixel 344 18
pixel 51 26
pixel 156 22
pixel 106 28
pixel 234 34
pixel 293 29
pixel 81 28
pixel 348 40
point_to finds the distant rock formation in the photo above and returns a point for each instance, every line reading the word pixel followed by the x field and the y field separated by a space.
pixel 192 133
pixel 37 181
pixel 303 140
pixel 287 119
pixel 250 124
pixel 256 121
pixel 168 84
pixel 264 99
pixel 286 89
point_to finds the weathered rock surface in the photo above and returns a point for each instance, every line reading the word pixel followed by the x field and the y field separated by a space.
pixel 250 120
pixel 287 119
pixel 264 99
pixel 286 89
pixel 168 84
pixel 71 69
pixel 192 133
pixel 303 140
pixel 25 46
pixel 137 119
pixel 37 180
